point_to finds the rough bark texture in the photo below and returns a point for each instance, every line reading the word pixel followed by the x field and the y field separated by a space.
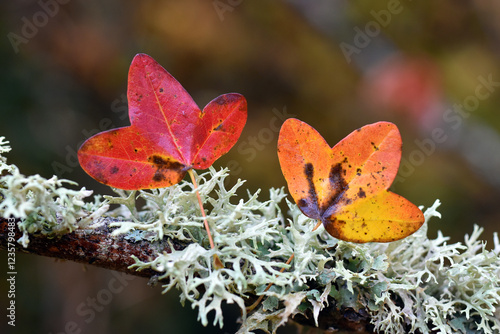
pixel 91 246
pixel 99 248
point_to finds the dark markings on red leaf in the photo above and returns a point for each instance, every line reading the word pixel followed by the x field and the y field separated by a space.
pixel 163 165
pixel 175 143
pixel 101 178
pixel 159 176
pixel 361 193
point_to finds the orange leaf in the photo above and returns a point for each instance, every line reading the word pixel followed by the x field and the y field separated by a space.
pixel 168 134
pixel 345 187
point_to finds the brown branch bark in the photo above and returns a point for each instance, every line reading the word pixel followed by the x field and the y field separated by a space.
pixel 91 246
pixel 99 248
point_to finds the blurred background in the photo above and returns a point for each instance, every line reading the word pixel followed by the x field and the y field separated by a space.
pixel 431 68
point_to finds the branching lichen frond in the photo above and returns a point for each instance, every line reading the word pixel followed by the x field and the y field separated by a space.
pixel 44 205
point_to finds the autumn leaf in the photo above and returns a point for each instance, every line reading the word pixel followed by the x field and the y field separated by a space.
pixel 168 135
pixel 345 187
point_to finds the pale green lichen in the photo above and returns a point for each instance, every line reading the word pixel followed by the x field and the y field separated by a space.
pixel 243 232
pixel 44 205
pixel 415 285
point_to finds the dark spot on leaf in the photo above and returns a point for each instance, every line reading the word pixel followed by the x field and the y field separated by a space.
pixel 361 193
pixel 375 147
pixel 161 90
pixel 114 170
pixel 101 178
pixel 219 128
pixel 302 203
pixel 158 177
pixel 163 165
pixel 309 171
pixel 358 171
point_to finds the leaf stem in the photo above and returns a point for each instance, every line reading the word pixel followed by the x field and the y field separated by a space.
pixel 217 262
pixel 317 226
pixel 257 302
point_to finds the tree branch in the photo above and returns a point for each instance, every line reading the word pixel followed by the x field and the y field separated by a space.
pixel 99 248
pixel 91 246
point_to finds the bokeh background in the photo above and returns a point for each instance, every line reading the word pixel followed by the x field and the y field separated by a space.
pixel 430 67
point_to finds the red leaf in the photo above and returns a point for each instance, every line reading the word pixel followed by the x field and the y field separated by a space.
pixel 169 133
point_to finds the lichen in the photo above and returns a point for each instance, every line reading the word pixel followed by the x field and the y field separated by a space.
pixel 415 285
pixel 244 232
pixel 43 205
